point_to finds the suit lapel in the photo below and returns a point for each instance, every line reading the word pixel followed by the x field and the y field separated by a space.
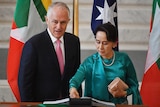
pixel 68 54
pixel 52 49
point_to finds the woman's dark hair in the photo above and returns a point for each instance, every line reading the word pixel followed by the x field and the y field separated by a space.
pixel 109 29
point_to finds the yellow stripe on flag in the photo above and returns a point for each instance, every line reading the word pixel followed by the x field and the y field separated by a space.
pixel 46 3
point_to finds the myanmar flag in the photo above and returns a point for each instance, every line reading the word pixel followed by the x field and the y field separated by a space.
pixel 28 20
pixel 150 89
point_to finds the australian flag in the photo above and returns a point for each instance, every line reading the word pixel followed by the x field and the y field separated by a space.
pixel 104 11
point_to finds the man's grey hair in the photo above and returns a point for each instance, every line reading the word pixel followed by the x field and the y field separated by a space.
pixel 58 4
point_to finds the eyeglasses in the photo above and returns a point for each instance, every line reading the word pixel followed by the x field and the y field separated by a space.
pixel 103 42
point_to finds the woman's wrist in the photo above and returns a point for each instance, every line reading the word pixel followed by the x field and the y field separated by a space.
pixel 72 88
pixel 125 93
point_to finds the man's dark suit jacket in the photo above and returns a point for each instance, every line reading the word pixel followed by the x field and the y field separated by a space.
pixel 39 76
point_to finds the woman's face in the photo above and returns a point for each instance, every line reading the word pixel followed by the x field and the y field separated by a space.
pixel 104 47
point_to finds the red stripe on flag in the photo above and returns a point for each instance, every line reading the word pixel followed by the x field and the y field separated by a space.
pixel 150 90
pixel 14 55
pixel 151 24
pixel 14 26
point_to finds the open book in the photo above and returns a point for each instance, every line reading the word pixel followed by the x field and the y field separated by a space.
pixel 81 101
pixel 117 82
pixel 99 103
pixel 66 100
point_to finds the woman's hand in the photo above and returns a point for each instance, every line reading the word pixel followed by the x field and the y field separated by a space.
pixel 73 93
pixel 117 92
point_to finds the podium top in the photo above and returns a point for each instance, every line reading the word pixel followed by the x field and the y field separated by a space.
pixel 39 104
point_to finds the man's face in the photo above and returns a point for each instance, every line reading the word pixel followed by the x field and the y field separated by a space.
pixel 57 21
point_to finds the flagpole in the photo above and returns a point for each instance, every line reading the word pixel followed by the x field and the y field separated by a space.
pixel 75 17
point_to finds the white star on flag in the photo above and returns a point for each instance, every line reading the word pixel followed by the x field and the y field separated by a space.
pixel 154 52
pixel 35 25
pixel 107 13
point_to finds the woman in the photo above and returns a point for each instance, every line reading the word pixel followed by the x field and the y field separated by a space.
pixel 101 68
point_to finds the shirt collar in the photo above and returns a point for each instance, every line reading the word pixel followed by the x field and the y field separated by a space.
pixel 53 38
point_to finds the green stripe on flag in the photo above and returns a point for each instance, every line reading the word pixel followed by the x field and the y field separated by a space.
pixel 40 8
pixel 21 13
pixel 158 63
pixel 154 7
